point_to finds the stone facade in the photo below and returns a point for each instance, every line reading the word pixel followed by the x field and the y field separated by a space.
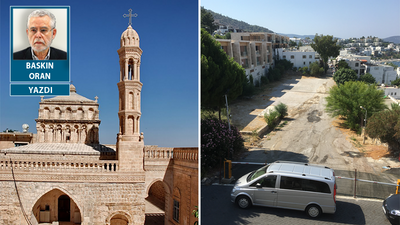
pixel 68 119
pixel 68 176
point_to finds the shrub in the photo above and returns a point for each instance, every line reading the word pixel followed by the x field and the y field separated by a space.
pixel 248 88
pixel 367 78
pixel 217 142
pixel 304 70
pixel 272 119
pixel 264 80
pixel 282 110
pixel 315 69
pixel 396 82
pixel 385 125
pixel 344 75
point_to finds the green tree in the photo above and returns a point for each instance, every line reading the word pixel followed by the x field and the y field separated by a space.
pixel 226 36
pixel 368 78
pixel 396 82
pixel 345 100
pixel 325 46
pixel 315 69
pixel 392 64
pixel 343 64
pixel 220 75
pixel 385 125
pixel 207 21
pixel 344 75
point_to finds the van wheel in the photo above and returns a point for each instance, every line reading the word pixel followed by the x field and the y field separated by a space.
pixel 243 202
pixel 313 211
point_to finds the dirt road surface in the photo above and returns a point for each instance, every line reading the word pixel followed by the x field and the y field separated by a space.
pixel 309 134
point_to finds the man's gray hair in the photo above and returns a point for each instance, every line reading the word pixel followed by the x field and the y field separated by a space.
pixel 40 13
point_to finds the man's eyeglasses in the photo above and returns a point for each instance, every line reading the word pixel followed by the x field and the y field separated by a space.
pixel 43 30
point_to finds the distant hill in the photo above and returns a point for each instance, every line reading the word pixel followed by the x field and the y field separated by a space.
pixel 299 36
pixel 236 24
pixel 394 39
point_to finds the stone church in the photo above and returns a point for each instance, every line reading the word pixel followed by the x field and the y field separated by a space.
pixel 64 176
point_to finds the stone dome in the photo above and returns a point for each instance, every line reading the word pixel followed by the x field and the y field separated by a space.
pixel 130 37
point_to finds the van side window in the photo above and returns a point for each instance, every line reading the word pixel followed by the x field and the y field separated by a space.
pixel 290 183
pixel 304 185
pixel 315 186
pixel 268 181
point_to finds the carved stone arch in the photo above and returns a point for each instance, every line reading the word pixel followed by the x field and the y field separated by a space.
pixel 46 113
pixel 120 215
pixel 68 113
pixel 45 205
pixel 80 113
pixel 166 186
pixel 91 114
pixel 137 124
pixel 131 125
pixel 131 68
pixel 176 193
pixel 57 113
pixel 131 100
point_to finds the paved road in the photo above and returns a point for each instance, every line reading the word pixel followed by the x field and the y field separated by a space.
pixel 217 209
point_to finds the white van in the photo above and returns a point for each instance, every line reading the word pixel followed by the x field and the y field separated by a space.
pixel 288 185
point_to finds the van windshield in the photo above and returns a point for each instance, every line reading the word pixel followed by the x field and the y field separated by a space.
pixel 257 173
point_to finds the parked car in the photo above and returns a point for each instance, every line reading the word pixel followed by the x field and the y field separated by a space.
pixel 391 208
pixel 288 185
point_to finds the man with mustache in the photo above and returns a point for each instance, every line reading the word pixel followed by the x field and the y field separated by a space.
pixel 41 30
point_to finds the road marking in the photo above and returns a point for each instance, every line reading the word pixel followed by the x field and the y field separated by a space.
pixel 229 185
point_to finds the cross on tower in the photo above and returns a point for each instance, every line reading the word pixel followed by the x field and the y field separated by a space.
pixel 130 15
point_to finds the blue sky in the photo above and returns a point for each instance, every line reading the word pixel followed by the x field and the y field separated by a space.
pixel 168 32
pixel 340 18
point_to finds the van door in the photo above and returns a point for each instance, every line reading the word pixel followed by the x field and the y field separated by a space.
pixel 291 194
pixel 265 192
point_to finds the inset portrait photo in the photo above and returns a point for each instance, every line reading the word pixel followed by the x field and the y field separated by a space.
pixel 39 33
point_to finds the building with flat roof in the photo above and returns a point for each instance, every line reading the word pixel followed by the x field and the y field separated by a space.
pixel 254 51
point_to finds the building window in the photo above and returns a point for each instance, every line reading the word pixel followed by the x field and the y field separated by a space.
pixel 284 57
pixel 19 144
pixel 356 64
pixel 310 56
pixel 243 50
pixel 304 56
pixel 176 211
pixel 304 63
pixel 292 56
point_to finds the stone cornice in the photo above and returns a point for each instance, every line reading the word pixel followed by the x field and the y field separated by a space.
pixel 73 177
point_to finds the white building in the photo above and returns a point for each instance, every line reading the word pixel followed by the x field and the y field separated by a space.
pixel 356 62
pixel 383 74
pixel 393 92
pixel 298 58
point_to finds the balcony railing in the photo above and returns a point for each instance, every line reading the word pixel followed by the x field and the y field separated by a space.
pixel 186 154
pixel 60 166
pixel 158 153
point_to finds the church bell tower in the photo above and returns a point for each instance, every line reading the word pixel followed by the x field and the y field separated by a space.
pixel 130 141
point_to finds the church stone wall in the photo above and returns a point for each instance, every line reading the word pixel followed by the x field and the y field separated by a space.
pixel 97 202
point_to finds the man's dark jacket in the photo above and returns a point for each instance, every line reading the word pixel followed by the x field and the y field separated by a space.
pixel 27 54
